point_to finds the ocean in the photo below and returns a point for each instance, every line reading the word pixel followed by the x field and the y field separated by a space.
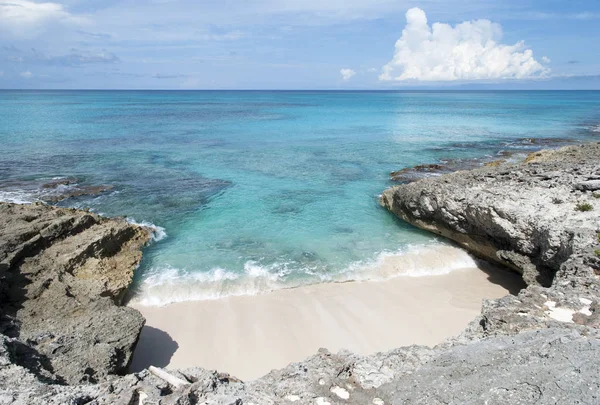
pixel 253 191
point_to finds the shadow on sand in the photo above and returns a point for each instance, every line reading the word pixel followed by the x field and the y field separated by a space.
pixel 502 276
pixel 155 348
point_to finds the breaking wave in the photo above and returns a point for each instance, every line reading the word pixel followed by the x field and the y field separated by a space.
pixel 167 284
pixel 18 196
pixel 158 232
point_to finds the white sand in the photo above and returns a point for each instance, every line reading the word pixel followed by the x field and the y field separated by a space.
pixel 247 336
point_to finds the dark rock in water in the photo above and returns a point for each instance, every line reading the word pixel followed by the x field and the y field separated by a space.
pixel 286 209
pixel 66 181
pixel 63 276
pixel 55 190
pixel 545 142
pixel 505 149
pixel 343 229
pixel 68 187
pixel 412 173
pixel 60 195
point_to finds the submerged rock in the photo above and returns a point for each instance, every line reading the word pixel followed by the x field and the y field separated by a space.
pixel 69 187
pixel 58 195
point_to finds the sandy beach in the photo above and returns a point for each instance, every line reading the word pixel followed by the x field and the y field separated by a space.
pixel 248 336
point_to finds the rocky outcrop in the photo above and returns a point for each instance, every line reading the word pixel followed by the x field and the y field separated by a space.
pixel 538 217
pixel 63 275
pixel 540 347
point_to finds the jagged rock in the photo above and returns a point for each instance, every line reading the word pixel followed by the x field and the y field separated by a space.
pixel 63 276
pixel 519 216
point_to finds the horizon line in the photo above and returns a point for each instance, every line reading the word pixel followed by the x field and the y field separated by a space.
pixel 303 90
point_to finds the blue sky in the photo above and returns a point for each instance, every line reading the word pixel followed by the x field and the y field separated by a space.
pixel 300 44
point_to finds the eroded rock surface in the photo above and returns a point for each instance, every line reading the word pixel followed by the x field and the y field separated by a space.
pixel 528 216
pixel 63 274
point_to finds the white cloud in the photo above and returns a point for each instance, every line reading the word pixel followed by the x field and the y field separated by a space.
pixel 372 70
pixel 467 51
pixel 27 19
pixel 347 74
pixel 26 75
pixel 546 59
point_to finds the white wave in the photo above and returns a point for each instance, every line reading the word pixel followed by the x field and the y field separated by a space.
pixel 18 197
pixel 158 232
pixel 413 261
pixel 35 192
pixel 165 285
pixel 595 128
pixel 168 285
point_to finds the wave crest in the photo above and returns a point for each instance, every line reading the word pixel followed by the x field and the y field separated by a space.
pixel 165 285
pixel 158 232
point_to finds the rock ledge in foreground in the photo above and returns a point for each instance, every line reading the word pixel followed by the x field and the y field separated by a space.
pixel 63 275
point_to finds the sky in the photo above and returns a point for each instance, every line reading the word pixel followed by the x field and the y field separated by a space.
pixel 300 44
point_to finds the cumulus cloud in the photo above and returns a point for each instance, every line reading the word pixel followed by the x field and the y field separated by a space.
pixel 468 51
pixel 347 74
pixel 27 19
pixel 546 59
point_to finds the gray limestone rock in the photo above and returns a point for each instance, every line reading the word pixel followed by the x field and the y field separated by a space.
pixel 63 274
pixel 512 214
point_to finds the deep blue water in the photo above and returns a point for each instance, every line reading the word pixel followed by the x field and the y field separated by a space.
pixel 261 190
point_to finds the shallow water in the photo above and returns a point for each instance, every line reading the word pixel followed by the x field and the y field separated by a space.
pixel 254 191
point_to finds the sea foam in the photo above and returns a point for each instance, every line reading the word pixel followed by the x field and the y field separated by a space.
pixel 158 232
pixel 18 197
pixel 163 285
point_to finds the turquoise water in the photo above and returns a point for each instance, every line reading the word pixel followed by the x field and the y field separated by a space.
pixel 263 190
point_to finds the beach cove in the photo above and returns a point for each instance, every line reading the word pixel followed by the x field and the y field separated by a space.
pixel 250 335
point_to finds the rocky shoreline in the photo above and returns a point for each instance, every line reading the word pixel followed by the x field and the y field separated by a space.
pixel 65 339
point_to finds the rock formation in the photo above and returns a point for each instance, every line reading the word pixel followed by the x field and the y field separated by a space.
pixel 527 217
pixel 63 275
pixel 540 218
